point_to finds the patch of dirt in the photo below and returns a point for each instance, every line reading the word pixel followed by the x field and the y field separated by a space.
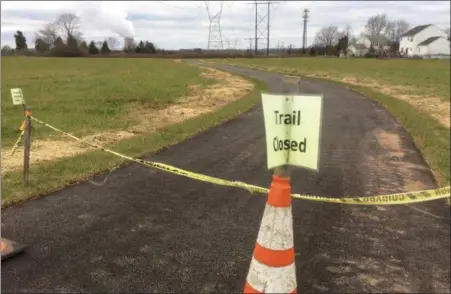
pixel 199 101
pixel 394 152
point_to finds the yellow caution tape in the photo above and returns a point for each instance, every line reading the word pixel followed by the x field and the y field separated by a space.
pixel 389 199
pixel 22 126
pixel 17 142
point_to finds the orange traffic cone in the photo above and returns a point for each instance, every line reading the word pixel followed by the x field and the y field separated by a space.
pixel 272 268
pixel 10 248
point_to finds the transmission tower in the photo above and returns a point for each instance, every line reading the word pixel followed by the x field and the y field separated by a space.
pixel 231 43
pixel 214 30
pixel 262 25
pixel 304 35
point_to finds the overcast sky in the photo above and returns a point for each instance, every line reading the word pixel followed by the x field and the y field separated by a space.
pixel 184 24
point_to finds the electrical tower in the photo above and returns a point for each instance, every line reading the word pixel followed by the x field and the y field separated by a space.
pixel 231 44
pixel 214 30
pixel 304 35
pixel 262 25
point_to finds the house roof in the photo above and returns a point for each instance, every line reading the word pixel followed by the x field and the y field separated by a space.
pixel 377 39
pixel 429 41
pixel 415 30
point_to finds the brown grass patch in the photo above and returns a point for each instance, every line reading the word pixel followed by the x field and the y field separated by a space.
pixel 199 101
pixel 434 106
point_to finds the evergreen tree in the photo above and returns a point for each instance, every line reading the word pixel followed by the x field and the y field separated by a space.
pixel 41 46
pixel 21 41
pixel 84 50
pixel 140 48
pixel 105 49
pixel 92 48
pixel 149 48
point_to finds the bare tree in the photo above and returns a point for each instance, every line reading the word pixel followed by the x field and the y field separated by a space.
pixel 352 40
pixel 68 24
pixel 327 36
pixel 345 32
pixel 376 25
pixel 48 34
pixel 113 43
pixel 390 31
pixel 394 30
pixel 447 32
pixel 401 27
pixel 348 30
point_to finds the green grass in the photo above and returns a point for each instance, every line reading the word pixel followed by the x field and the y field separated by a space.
pixel 88 95
pixel 423 76
pixel 51 176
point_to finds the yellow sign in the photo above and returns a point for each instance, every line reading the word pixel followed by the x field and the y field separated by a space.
pixel 17 96
pixel 293 127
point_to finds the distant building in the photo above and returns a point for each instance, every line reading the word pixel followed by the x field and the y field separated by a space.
pixel 129 44
pixel 364 43
pixel 424 40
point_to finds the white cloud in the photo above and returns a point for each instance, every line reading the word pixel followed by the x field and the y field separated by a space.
pixel 177 24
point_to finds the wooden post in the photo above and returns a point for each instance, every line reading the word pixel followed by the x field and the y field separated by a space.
pixel 283 171
pixel 286 88
pixel 27 145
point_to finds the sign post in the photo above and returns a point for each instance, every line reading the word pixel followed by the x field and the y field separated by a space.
pixel 18 99
pixel 27 145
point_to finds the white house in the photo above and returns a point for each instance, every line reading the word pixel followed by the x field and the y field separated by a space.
pixel 424 40
pixel 434 46
pixel 364 43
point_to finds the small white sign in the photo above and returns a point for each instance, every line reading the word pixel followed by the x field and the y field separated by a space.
pixel 17 96
pixel 293 127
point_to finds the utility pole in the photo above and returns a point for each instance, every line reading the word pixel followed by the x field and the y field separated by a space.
pixel 250 42
pixel 267 29
pixel 256 26
pixel 257 22
pixel 304 36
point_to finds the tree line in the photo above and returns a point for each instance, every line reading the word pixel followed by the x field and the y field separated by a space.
pixel 334 41
pixel 63 38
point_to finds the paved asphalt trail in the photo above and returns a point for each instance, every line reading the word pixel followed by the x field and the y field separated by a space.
pixel 149 231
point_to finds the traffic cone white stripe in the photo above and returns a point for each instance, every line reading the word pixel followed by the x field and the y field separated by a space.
pixel 267 279
pixel 276 228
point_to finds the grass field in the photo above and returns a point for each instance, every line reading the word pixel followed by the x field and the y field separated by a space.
pixel 416 92
pixel 430 78
pixel 168 101
pixel 85 96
